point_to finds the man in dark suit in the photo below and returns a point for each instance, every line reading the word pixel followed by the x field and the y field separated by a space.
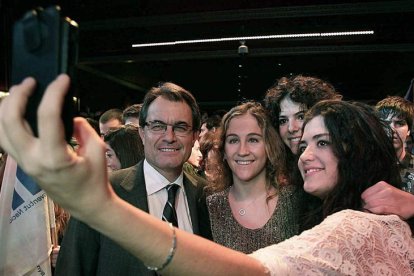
pixel 169 120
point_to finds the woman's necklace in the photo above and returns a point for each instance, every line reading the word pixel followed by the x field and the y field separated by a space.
pixel 243 210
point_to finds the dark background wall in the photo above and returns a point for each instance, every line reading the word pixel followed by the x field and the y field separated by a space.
pixel 113 74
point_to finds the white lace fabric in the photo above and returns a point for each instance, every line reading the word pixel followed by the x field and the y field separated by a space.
pixel 345 243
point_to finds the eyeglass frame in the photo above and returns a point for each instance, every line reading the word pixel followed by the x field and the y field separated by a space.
pixel 164 126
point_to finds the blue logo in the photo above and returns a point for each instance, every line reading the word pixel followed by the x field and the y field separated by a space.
pixel 28 183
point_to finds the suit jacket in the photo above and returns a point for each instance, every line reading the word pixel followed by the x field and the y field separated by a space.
pixel 84 251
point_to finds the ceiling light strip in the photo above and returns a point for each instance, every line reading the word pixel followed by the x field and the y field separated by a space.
pixel 245 38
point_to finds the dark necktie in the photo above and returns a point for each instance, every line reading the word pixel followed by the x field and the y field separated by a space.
pixel 169 214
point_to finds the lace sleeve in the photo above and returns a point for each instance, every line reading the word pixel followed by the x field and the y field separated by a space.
pixel 347 243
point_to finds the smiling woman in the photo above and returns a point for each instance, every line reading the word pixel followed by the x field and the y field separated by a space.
pixel 287 101
pixel 318 164
pixel 252 206
pixel 345 150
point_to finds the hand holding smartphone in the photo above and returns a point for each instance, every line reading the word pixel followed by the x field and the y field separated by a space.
pixel 45 44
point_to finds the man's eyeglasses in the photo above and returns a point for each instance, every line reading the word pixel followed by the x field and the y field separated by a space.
pixel 158 127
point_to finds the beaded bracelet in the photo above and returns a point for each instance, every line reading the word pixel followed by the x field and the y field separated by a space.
pixel 170 253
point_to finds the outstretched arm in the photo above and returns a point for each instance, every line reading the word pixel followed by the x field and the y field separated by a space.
pixel 78 182
pixel 383 198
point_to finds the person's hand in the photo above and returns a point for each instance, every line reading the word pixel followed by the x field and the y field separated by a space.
pixel 54 255
pixel 75 180
pixel 383 198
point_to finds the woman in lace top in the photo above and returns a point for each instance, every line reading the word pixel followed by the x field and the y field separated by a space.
pixel 347 242
pixel 252 205
pixel 343 150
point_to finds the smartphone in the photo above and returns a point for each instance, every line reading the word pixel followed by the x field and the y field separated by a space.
pixel 45 44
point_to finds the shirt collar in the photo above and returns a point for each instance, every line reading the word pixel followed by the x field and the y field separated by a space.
pixel 155 181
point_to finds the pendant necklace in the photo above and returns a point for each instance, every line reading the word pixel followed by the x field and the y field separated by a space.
pixel 243 210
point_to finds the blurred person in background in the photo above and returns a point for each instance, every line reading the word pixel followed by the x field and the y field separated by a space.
pixel 398 113
pixel 110 119
pixel 130 115
pixel 209 149
pixel 124 147
pixel 192 166
pixel 210 124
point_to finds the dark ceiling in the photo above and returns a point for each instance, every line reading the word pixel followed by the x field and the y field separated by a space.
pixel 111 73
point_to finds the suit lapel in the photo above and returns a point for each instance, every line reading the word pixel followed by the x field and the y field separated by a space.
pixel 134 187
pixel 191 193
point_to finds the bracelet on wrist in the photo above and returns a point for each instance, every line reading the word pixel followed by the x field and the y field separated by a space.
pixel 170 253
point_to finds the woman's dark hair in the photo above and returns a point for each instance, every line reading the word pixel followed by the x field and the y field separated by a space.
pixel 365 153
pixel 127 145
pixel 304 90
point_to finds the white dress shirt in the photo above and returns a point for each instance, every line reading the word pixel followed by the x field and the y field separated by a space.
pixel 157 196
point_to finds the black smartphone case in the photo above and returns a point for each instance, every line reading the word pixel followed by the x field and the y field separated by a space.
pixel 44 46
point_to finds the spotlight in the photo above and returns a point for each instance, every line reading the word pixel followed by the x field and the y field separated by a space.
pixel 243 49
